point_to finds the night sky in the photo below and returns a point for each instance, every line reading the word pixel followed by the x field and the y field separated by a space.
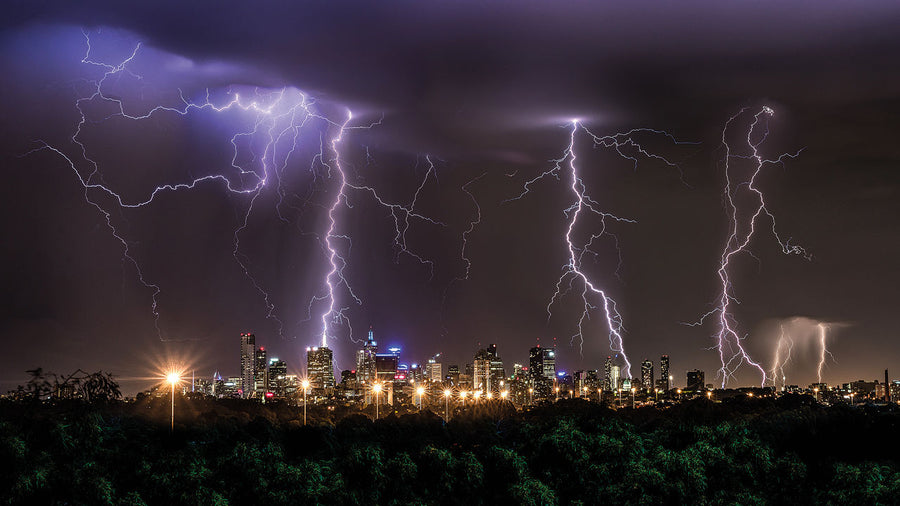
pixel 485 90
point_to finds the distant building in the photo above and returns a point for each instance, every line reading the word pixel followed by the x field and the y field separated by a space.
pixel 260 376
pixel 433 370
pixel 542 362
pixel 453 376
pixel 320 368
pixel 278 377
pixel 386 365
pixel 365 360
pixel 248 364
pixel 647 376
pixel 696 381
pixel 664 373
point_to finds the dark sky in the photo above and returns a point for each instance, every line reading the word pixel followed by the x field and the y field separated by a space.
pixel 481 88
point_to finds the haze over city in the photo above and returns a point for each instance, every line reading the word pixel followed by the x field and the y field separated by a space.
pixel 175 178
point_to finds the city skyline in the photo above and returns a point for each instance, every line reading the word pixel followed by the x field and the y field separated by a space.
pixel 548 183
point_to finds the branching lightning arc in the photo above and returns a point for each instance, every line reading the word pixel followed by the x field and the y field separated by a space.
pixel 262 152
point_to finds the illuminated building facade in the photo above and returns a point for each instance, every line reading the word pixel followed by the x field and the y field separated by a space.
pixel 248 364
pixel 320 368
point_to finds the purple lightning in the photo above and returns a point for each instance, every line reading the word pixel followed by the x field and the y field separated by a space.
pixel 573 276
pixel 785 342
pixel 261 152
pixel 745 204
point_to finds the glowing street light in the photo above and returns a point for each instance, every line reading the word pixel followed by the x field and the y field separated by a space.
pixel 816 391
pixel 504 394
pixel 305 385
pixel 633 390
pixel 530 396
pixel 462 395
pixel 477 394
pixel 489 395
pixel 173 378
pixel 557 393
pixel 657 395
pixel 447 394
pixel 709 394
pixel 420 391
pixel 377 389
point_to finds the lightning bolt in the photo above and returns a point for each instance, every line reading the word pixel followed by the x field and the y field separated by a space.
pixel 787 343
pixel 743 218
pixel 573 277
pixel 262 152
pixel 823 350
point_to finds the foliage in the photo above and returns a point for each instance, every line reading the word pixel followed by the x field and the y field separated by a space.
pixel 237 453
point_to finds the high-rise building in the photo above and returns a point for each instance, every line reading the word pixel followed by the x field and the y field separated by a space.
pixel 386 365
pixel 696 381
pixel 664 372
pixel 647 375
pixel 453 375
pixel 433 372
pixel 615 373
pixel 278 377
pixel 248 363
pixel 481 372
pixel 365 360
pixel 260 376
pixel 542 362
pixel 320 368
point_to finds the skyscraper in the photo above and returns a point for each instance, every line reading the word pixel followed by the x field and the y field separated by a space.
pixel 320 367
pixel 542 362
pixel 433 371
pixel 260 376
pixel 664 372
pixel 365 360
pixel 248 363
pixel 278 377
pixel 647 375
pixel 481 374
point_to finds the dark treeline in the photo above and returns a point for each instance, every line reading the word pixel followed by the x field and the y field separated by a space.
pixel 742 451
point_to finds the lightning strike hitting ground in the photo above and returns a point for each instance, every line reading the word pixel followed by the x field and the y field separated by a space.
pixel 787 344
pixel 745 205
pixel 574 277
pixel 275 119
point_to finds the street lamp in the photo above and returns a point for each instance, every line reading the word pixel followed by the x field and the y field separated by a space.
pixel 173 378
pixel 709 394
pixel 377 389
pixel 503 394
pixel 462 395
pixel 599 395
pixel 632 396
pixel 557 394
pixel 420 391
pixel 619 397
pixel 305 385
pixel 447 394
pixel 530 396
pixel 816 390
pixel 657 395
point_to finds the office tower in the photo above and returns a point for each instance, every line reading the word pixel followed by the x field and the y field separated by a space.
pixel 453 375
pixel 664 372
pixel 696 381
pixel 386 365
pixel 615 377
pixel 647 375
pixel 248 363
pixel 278 377
pixel 260 376
pixel 542 362
pixel 320 368
pixel 365 360
pixel 433 372
pixel 481 373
